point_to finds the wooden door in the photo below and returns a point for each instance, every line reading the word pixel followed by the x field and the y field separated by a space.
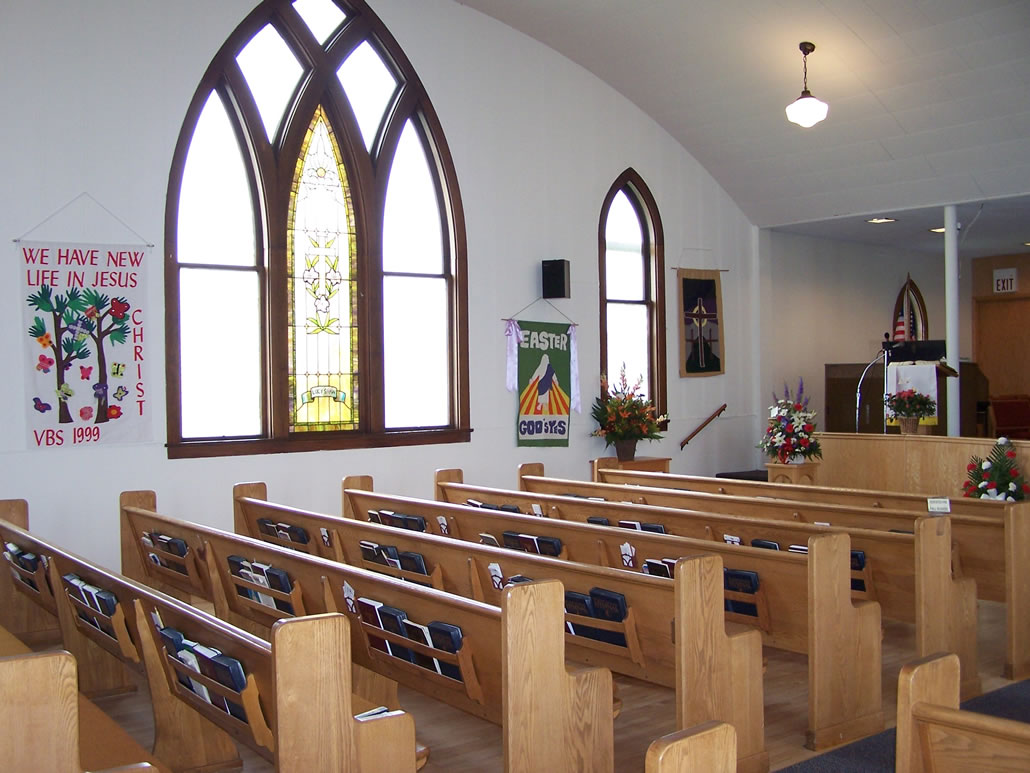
pixel 1001 330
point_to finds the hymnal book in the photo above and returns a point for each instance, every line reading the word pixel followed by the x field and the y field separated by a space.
pixel 609 605
pixel 173 642
pixel 731 539
pixel 412 562
pixel 238 565
pixel 515 579
pixel 388 555
pixel 768 544
pixel 369 611
pixel 580 604
pixel 373 516
pixel 857 565
pixel 186 655
pixel 75 584
pixel 549 546
pixel 107 603
pixel 368 551
pixel 656 568
pixel 257 576
pixel 508 508
pixel 296 533
pixel 630 525
pixel 473 503
pixel 392 619
pixel 798 549
pixel 597 520
pixel 204 657
pixel 657 528
pixel 488 539
pixel 372 712
pixel 419 633
pixel 230 673
pixel 671 563
pixel 412 522
pixel 741 581
pixel 389 518
pixel 511 540
pixel 489 506
pixel 528 542
pixel 280 581
pixel 267 526
pixel 446 637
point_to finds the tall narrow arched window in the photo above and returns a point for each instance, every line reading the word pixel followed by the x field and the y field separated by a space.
pixel 632 287
pixel 315 269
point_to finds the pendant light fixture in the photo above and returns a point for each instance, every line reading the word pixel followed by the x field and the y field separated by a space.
pixel 806 110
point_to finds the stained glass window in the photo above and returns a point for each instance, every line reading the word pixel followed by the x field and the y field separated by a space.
pixel 323 321
pixel 321 298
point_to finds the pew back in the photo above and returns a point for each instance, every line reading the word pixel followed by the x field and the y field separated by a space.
pixel 935 736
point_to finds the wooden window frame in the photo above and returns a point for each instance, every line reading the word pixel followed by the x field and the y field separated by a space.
pixel 646 207
pixel 274 163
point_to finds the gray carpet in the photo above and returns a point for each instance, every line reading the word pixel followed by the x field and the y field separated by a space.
pixel 875 754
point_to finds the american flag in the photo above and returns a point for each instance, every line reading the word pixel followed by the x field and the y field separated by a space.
pixel 903 332
pixel 899 328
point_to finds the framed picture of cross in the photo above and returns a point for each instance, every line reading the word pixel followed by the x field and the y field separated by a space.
pixel 700 327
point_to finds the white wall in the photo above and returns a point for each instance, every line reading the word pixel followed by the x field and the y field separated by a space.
pixel 826 301
pixel 93 97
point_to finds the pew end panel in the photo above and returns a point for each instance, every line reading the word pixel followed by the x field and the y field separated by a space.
pixel 946 608
pixel 316 727
pixel 844 660
pixel 706 748
pixel 18 614
pixel 361 482
pixel 572 731
pixel 40 702
pixel 718 674
pixel 1017 591
pixel 526 469
pixel 935 735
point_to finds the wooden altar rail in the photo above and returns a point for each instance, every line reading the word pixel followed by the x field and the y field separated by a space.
pixel 992 550
pixel 932 465
pixel 716 675
pixel 933 734
pixel 299 717
pixel 702 425
pixel 808 598
pixel 562 724
pixel 41 702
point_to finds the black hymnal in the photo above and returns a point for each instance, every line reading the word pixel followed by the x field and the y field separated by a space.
pixel 741 581
pixel 280 581
pixel 412 562
pixel 369 611
pixel 609 605
pixel 857 565
pixel 446 637
pixel 230 673
pixel 393 621
pixel 597 520
pixel 582 605
pixel 656 568
pixel 511 540
pixel 549 546
pixel 657 528
pixel 412 522
pixel 419 633
pixel 768 544
pixel 266 526
pixel 509 508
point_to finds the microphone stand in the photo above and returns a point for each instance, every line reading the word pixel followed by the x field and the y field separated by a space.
pixel 858 392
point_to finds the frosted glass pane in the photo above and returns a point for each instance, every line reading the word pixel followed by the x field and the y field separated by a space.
pixel 369 85
pixel 321 16
pixel 624 275
pixel 412 239
pixel 623 226
pixel 216 216
pixel 627 343
pixel 272 72
pixel 220 342
pixel 415 333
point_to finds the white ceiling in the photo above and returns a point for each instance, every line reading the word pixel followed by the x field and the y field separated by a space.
pixel 929 104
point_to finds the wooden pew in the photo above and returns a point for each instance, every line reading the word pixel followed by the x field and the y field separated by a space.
pixel 808 601
pixel 32 624
pixel 483 660
pixel 298 717
pixel 707 748
pixel 833 495
pixel 716 675
pixel 993 551
pixel 909 575
pixel 934 735
pixel 41 702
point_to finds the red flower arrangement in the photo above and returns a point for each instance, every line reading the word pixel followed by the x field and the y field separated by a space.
pixel 997 476
pixel 791 428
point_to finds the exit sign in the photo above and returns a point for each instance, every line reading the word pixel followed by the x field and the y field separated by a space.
pixel 1005 280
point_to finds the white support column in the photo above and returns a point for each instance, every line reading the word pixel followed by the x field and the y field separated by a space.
pixel 951 310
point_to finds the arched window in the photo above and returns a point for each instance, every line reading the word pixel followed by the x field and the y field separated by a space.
pixel 315 270
pixel 632 285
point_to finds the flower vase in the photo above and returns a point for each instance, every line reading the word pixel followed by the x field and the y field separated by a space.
pixel 625 450
pixel 909 425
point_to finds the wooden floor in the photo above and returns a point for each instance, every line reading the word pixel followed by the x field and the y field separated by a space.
pixel 459 742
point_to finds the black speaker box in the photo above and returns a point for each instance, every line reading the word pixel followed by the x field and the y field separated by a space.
pixel 555 278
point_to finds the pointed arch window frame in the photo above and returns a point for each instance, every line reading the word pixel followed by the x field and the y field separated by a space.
pixel 270 168
pixel 653 242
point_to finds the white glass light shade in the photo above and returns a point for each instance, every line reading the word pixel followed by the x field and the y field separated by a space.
pixel 806 110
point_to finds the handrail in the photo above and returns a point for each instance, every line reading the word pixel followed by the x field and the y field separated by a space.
pixel 702 425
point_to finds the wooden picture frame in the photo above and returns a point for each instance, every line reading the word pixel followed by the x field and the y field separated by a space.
pixel 701 338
